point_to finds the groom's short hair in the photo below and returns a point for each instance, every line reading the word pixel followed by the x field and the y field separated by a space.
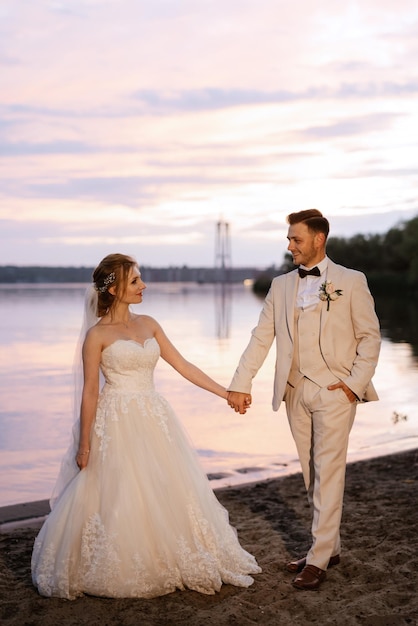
pixel 313 219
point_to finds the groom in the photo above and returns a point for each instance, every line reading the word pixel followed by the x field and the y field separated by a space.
pixel 327 337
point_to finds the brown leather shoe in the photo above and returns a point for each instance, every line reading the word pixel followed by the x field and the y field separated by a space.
pixel 294 567
pixel 310 578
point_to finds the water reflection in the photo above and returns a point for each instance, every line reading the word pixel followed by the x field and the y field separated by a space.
pixel 211 325
pixel 223 306
pixel 399 320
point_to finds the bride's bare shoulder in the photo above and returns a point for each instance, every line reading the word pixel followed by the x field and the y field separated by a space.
pixel 98 331
pixel 146 320
pixel 139 317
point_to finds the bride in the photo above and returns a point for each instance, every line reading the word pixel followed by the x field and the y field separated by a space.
pixel 134 514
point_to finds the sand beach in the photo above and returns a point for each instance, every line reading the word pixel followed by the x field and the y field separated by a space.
pixel 376 583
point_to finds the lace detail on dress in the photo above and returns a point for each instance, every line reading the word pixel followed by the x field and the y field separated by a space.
pixel 113 406
pixel 214 558
pixel 52 576
pixel 128 368
pixel 46 576
pixel 100 561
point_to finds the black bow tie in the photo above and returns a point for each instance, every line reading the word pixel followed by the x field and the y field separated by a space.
pixel 315 271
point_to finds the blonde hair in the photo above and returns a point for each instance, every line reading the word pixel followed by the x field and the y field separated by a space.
pixel 112 271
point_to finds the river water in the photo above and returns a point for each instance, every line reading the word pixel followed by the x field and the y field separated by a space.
pixel 210 325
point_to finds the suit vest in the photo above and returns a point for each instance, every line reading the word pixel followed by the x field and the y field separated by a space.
pixel 307 357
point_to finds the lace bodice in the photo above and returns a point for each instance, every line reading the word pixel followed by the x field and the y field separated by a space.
pixel 128 365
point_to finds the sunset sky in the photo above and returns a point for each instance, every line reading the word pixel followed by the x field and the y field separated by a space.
pixel 135 125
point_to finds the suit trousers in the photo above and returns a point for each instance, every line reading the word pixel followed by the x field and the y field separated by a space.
pixel 320 421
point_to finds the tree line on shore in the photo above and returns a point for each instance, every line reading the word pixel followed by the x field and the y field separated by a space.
pixel 390 262
pixel 12 274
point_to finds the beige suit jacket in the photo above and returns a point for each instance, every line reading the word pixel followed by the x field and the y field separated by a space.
pixel 349 334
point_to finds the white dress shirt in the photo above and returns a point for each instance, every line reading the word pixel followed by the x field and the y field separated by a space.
pixel 308 288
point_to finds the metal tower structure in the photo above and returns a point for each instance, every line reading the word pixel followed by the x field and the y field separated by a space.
pixel 222 252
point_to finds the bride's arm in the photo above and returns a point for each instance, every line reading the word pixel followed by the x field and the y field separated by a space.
pixel 91 359
pixel 189 371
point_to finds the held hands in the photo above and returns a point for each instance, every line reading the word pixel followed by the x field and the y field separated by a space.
pixel 239 401
pixel 350 394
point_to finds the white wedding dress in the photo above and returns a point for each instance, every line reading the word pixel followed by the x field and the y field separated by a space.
pixel 141 520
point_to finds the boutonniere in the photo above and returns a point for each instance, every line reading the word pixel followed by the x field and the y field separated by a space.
pixel 328 292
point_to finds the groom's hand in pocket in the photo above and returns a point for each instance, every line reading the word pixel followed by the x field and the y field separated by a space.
pixel 340 385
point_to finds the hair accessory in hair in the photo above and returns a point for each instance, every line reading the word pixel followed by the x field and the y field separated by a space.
pixel 107 281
